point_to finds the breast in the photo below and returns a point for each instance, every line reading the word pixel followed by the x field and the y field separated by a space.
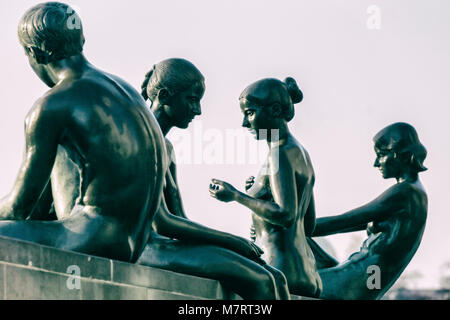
pixel 261 188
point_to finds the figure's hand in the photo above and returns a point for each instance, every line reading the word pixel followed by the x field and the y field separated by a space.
pixel 370 229
pixel 222 191
pixel 249 182
pixel 374 228
pixel 247 248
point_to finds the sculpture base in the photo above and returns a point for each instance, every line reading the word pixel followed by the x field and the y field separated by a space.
pixel 32 271
pixel 29 271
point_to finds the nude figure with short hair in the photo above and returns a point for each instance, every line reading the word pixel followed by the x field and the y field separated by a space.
pixel 93 149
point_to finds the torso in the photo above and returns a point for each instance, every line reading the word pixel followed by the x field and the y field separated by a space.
pixel 396 239
pixel 286 248
pixel 390 246
pixel 110 157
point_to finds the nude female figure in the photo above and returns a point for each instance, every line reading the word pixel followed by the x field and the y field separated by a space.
pixel 175 88
pixel 395 220
pixel 87 138
pixel 281 198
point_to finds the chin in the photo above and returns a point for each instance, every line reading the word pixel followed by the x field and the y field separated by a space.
pixel 387 176
pixel 183 125
pixel 254 134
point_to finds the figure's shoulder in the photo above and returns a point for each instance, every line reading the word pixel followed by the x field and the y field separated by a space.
pixel 284 159
pixel 123 84
pixel 62 99
pixel 285 147
pixel 48 103
pixel 406 197
pixel 91 83
pixel 294 153
pixel 46 111
pixel 293 147
pixel 404 191
pixel 406 187
pixel 62 95
pixel 414 190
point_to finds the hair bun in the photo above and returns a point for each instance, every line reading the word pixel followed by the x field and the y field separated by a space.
pixel 144 85
pixel 293 89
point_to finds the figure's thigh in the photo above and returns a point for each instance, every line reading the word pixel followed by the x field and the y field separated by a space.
pixel 41 232
pixel 197 259
pixel 237 273
pixel 89 235
pixel 348 280
pixel 280 280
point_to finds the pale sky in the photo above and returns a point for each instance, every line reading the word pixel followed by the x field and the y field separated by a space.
pixel 355 81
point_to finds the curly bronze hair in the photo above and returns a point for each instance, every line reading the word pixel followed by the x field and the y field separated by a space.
pixel 50 32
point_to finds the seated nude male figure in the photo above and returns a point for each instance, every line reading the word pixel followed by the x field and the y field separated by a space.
pixel 92 148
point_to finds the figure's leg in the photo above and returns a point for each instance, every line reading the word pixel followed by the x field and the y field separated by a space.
pixel 280 281
pixel 34 231
pixel 348 280
pixel 243 276
pixel 92 235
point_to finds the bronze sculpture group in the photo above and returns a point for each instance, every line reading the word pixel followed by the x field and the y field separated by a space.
pixel 99 177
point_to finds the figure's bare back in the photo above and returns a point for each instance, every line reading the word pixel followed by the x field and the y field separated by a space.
pixel 114 141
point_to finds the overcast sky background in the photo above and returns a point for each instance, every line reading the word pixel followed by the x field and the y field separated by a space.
pixel 355 81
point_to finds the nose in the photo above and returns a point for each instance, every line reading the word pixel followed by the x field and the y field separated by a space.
pixel 376 163
pixel 245 123
pixel 196 109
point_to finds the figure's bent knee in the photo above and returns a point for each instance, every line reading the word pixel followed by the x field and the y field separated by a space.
pixel 279 276
pixel 266 286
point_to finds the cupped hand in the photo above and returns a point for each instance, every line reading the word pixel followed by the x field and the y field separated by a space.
pixel 222 191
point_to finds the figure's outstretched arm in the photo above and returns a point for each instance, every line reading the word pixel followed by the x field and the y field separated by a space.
pixel 42 130
pixel 390 202
pixel 179 228
pixel 282 211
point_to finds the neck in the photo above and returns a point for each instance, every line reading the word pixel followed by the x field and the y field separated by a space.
pixel 278 136
pixel 407 177
pixel 161 117
pixel 68 68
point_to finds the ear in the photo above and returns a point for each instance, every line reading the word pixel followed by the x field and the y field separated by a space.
pixel 406 157
pixel 40 56
pixel 411 157
pixel 276 110
pixel 163 96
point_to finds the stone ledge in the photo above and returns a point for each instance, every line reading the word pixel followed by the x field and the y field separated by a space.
pixel 29 271
pixel 32 271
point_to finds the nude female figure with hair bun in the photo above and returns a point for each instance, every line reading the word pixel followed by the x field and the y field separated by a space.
pixel 281 196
